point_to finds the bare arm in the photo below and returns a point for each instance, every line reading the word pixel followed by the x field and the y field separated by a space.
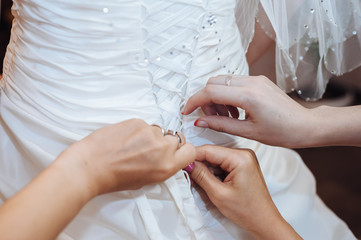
pixel 336 126
pixel 45 206
pixel 272 116
pixel 123 156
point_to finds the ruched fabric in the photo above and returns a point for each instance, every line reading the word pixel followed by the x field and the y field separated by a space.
pixel 72 67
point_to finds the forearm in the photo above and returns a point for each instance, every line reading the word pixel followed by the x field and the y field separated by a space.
pixel 46 205
pixel 276 230
pixel 335 126
pixel 268 224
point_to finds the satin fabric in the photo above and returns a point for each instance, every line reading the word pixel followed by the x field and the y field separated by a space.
pixel 74 66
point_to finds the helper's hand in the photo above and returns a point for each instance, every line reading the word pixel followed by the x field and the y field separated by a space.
pixel 128 155
pixel 243 196
pixel 122 156
pixel 272 117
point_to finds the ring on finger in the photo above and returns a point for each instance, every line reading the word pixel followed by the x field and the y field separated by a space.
pixel 162 129
pixel 227 81
pixel 175 133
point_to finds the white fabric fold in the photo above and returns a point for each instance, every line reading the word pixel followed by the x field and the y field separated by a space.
pixel 72 67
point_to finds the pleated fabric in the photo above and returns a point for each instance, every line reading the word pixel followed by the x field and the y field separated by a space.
pixel 74 66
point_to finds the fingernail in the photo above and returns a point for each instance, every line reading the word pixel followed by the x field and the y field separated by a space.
pixel 182 113
pixel 201 124
pixel 189 168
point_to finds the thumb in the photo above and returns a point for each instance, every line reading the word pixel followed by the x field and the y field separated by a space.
pixel 205 179
pixel 225 124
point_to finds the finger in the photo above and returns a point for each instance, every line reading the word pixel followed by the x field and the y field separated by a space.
pixel 218 172
pixel 182 138
pixel 158 130
pixel 212 154
pixel 233 111
pixel 206 180
pixel 184 156
pixel 242 128
pixel 227 159
pixel 176 138
pixel 234 96
pixel 209 109
pixel 236 80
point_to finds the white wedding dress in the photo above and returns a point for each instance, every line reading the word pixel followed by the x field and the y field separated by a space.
pixel 74 66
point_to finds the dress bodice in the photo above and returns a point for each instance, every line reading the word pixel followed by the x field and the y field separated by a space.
pixel 74 66
pixel 109 61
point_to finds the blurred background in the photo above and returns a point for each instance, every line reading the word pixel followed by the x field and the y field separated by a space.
pixel 336 169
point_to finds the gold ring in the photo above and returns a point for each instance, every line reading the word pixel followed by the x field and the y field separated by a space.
pixel 227 81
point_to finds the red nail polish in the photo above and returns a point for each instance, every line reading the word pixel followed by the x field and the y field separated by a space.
pixel 195 123
pixel 182 113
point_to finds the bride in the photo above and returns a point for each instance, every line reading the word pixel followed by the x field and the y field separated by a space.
pixel 72 67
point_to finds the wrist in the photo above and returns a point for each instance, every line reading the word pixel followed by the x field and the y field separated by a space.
pixel 311 128
pixel 274 229
pixel 324 130
pixel 302 129
pixel 73 166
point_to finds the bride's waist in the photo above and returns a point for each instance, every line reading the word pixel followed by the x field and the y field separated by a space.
pixel 84 99
pixel 84 107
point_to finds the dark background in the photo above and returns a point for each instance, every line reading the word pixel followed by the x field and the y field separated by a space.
pixel 337 169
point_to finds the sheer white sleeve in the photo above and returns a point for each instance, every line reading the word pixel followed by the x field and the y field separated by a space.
pixel 245 14
pixel 314 40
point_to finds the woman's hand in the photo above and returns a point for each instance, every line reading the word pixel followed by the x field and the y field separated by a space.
pixel 123 156
pixel 272 117
pixel 129 155
pixel 243 196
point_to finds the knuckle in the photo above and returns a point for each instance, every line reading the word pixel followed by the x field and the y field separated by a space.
pixel 212 80
pixel 248 157
pixel 159 146
pixel 148 133
pixel 165 145
pixel 192 151
pixel 209 89
pixel 199 176
pixel 251 154
pixel 138 122
pixel 253 96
